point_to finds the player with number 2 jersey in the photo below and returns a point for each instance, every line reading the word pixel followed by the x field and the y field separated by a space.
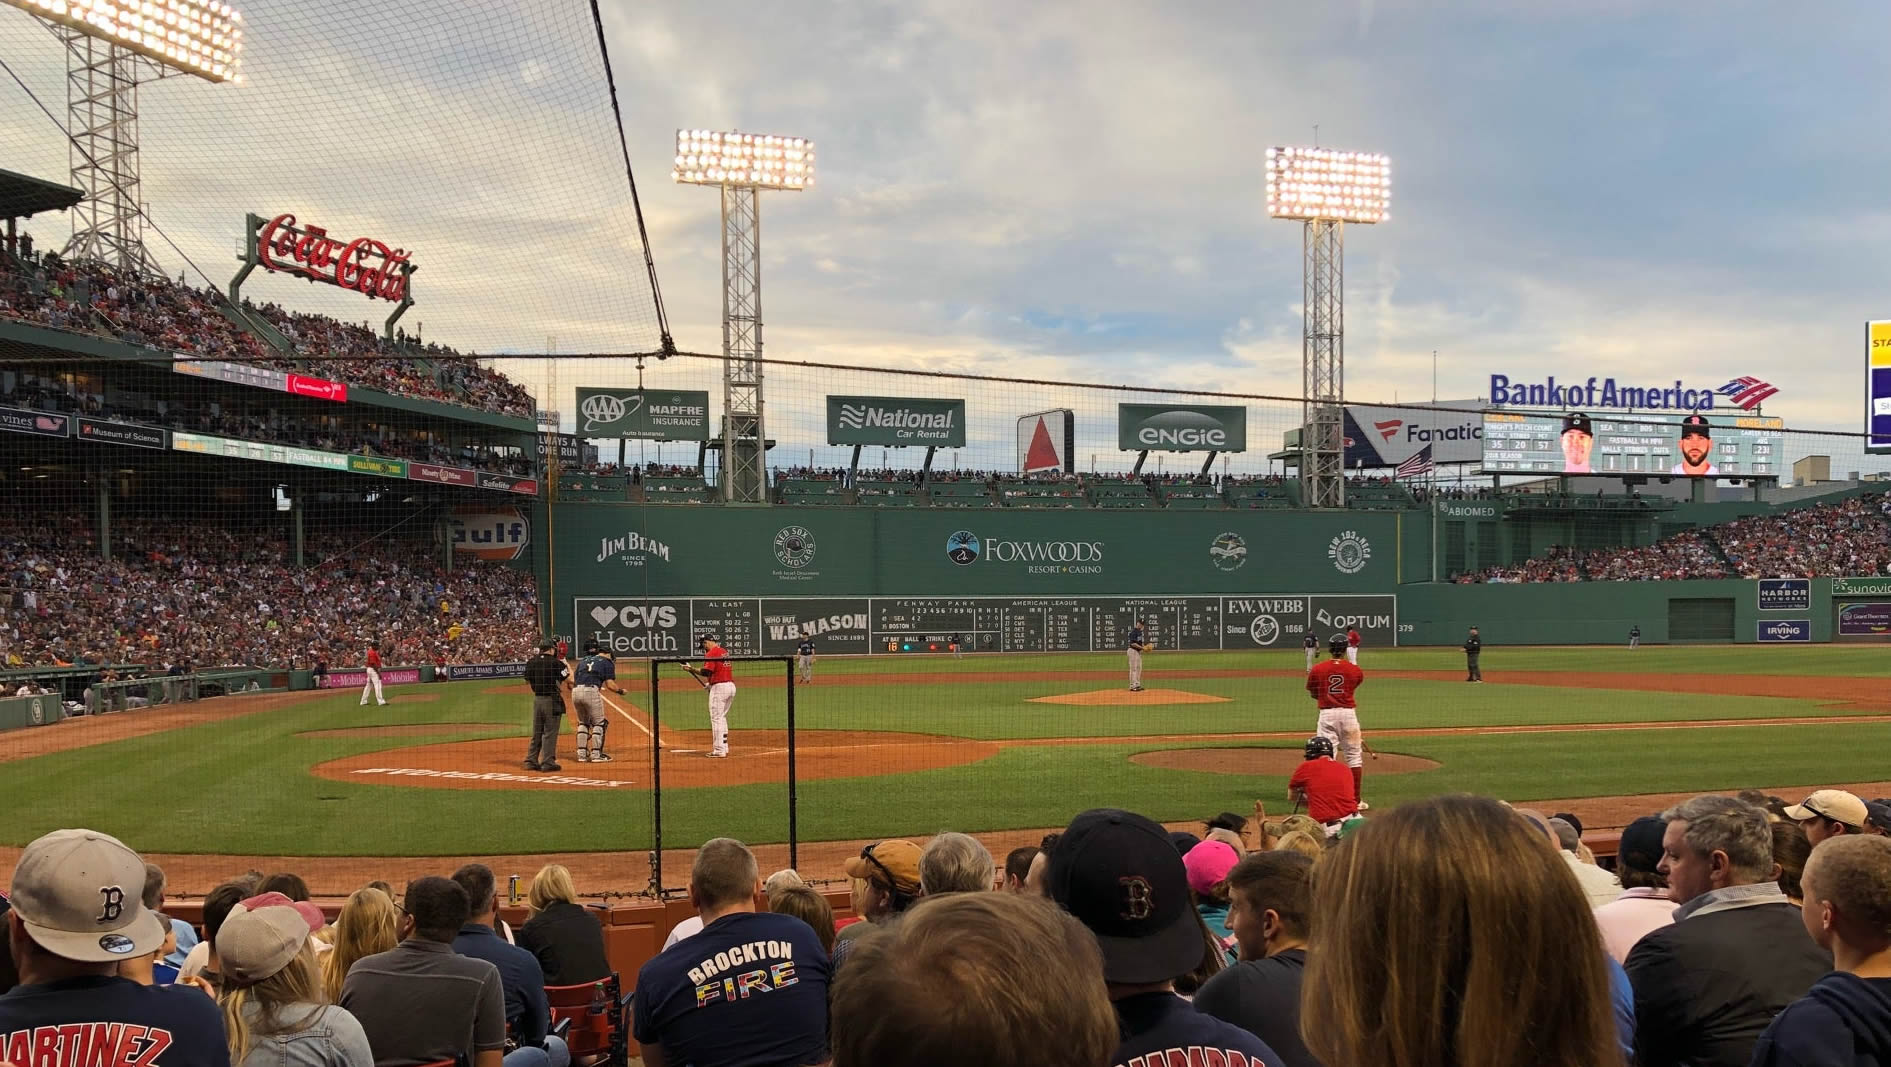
pixel 1332 683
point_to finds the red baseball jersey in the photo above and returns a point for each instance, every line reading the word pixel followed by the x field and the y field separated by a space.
pixel 1352 638
pixel 716 662
pixel 374 659
pixel 1329 788
pixel 1332 683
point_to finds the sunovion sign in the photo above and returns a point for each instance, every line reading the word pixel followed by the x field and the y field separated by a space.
pixel 1594 393
pixel 895 420
pixel 1181 428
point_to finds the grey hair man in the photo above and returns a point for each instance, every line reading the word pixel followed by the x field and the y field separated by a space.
pixel 1737 954
pixel 1598 885
pixel 955 863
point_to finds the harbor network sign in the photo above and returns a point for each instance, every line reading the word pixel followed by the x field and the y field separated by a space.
pixel 1181 428
pixel 895 420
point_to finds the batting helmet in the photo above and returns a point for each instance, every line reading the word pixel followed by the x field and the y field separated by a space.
pixel 1337 644
pixel 1319 746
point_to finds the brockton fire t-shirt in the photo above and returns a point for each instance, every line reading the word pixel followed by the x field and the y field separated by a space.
pixel 111 1021
pixel 750 988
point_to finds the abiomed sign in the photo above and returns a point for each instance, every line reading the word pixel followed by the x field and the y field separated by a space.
pixel 895 420
pixel 1181 428
pixel 644 414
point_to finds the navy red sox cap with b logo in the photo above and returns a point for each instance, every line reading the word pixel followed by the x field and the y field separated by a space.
pixel 80 895
pixel 1118 874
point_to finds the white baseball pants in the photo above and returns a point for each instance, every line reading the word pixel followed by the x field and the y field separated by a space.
pixel 721 695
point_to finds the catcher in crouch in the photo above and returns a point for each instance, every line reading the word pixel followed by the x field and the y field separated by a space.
pixel 1332 683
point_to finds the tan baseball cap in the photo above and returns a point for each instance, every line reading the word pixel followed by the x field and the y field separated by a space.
pixel 1834 804
pixel 80 894
pixel 258 940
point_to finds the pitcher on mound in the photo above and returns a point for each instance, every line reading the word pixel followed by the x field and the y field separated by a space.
pixel 1332 683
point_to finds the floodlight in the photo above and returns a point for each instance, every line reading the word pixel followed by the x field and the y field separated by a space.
pixel 193 37
pixel 1321 183
pixel 765 161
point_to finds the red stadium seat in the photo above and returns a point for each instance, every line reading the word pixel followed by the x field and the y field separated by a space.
pixel 596 1014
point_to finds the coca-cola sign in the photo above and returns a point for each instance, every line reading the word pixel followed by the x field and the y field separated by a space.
pixel 364 264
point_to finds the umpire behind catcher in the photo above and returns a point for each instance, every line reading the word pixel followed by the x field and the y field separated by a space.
pixel 546 674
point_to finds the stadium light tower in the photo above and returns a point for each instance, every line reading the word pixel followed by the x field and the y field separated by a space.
pixel 742 165
pixel 1326 190
pixel 111 47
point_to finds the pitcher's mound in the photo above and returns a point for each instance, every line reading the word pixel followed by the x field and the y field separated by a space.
pixel 1117 697
pixel 1281 761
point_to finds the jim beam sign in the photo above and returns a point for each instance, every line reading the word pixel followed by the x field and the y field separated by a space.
pixel 362 264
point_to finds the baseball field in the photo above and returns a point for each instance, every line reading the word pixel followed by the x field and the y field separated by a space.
pixel 907 746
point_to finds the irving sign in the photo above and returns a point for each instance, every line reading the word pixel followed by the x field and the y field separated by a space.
pixel 895 420
pixel 1181 428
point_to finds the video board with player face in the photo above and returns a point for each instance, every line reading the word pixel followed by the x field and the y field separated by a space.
pixel 1694 445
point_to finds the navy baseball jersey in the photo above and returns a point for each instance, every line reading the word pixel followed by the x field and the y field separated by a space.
pixel 805 648
pixel 595 670
pixel 1136 637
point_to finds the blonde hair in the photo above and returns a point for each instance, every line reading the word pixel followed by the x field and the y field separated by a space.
pixel 297 983
pixel 551 885
pixel 369 923
pixel 1302 842
pixel 1447 932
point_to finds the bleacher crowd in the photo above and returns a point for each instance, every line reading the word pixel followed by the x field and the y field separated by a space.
pixel 42 289
pixel 188 591
pixel 1455 930
pixel 1851 537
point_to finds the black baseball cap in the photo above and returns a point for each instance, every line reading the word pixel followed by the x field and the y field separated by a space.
pixel 1576 420
pixel 1640 848
pixel 1696 426
pixel 1119 874
pixel 548 645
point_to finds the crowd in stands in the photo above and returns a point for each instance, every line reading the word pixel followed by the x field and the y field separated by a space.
pixel 1851 537
pixel 259 421
pixel 91 298
pixel 1454 930
pixel 198 593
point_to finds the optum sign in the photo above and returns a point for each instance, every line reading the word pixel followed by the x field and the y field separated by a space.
pixel 1181 428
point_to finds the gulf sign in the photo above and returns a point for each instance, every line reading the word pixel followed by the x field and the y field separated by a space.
pixel 497 533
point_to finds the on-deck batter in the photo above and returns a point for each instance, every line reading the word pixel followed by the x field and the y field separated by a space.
pixel 1332 684
pixel 715 670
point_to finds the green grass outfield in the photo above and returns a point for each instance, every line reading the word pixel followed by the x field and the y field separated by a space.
pixel 242 786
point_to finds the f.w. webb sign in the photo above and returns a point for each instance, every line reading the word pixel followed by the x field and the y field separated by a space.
pixel 895 420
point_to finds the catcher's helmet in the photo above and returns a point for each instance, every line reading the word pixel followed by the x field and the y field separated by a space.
pixel 1337 644
pixel 1319 746
pixel 590 647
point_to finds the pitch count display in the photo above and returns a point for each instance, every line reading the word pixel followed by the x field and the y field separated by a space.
pixel 1694 445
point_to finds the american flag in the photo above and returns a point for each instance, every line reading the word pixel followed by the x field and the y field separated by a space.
pixel 1747 392
pixel 1417 465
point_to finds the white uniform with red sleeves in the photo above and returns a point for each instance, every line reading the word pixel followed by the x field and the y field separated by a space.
pixel 373 684
pixel 721 695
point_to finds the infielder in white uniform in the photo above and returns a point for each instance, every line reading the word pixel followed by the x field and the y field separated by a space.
pixel 715 670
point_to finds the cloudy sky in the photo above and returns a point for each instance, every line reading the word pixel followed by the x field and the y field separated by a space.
pixel 1072 191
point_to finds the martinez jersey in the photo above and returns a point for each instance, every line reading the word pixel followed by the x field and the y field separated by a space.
pixel 750 988
pixel 1332 683
pixel 111 1020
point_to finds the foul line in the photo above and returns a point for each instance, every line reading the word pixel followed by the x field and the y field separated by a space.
pixel 615 706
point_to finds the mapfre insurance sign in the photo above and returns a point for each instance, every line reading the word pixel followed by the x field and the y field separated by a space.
pixel 1387 437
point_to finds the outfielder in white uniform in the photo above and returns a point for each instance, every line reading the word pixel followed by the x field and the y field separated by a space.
pixel 715 671
pixel 804 657
pixel 597 671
